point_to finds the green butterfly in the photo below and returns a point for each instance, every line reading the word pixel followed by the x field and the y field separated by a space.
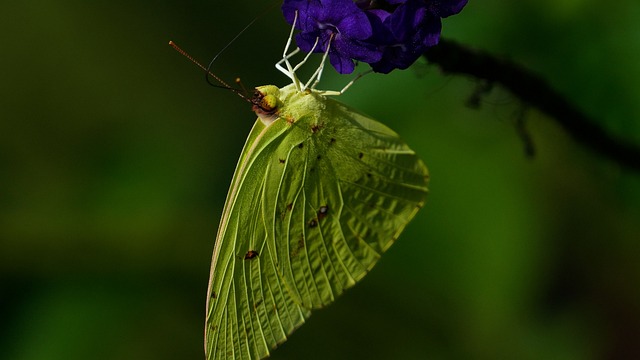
pixel 319 193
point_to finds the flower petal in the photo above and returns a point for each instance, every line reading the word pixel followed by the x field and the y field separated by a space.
pixel 342 64
pixel 387 34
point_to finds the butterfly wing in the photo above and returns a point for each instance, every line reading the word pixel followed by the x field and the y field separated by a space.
pixel 317 197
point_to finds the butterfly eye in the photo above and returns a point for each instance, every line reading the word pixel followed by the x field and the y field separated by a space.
pixel 269 103
pixel 265 98
pixel 265 103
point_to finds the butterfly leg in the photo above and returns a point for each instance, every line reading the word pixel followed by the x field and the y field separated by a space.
pixel 289 71
pixel 318 73
pixel 344 89
pixel 307 56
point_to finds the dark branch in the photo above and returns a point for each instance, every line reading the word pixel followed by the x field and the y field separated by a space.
pixel 454 58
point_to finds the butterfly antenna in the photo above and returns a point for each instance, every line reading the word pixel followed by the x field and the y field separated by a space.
pixel 210 65
pixel 241 85
pixel 193 60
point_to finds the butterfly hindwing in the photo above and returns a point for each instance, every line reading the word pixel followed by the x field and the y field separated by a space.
pixel 318 195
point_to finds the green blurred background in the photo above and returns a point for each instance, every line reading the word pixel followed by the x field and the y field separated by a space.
pixel 115 157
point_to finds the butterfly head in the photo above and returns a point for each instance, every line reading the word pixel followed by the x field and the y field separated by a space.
pixel 266 103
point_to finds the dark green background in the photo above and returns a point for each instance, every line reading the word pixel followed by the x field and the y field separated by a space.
pixel 115 157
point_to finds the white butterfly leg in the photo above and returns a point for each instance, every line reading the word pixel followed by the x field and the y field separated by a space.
pixel 344 89
pixel 318 73
pixel 315 44
pixel 289 71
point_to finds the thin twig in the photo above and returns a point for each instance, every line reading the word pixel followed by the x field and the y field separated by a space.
pixel 454 58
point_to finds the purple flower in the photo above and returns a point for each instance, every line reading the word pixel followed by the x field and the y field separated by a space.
pixel 413 27
pixel 387 34
pixel 339 22
pixel 445 8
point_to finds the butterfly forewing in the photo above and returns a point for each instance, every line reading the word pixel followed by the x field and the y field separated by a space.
pixel 317 197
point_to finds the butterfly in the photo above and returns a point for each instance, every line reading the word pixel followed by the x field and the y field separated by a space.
pixel 319 193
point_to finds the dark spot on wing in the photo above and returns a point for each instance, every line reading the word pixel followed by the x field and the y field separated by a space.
pixel 319 157
pixel 289 206
pixel 360 155
pixel 323 211
pixel 300 146
pixel 315 128
pixel 299 246
pixel 313 223
pixel 250 255
pixel 281 161
pixel 257 303
pixel 213 295
pixel 333 140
